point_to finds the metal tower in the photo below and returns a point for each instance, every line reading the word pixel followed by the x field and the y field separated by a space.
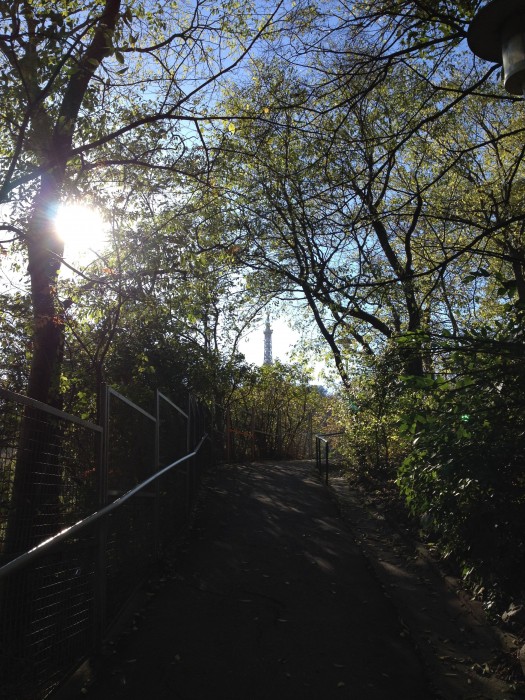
pixel 268 342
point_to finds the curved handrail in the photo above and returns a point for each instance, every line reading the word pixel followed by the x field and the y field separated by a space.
pixel 321 438
pixel 23 559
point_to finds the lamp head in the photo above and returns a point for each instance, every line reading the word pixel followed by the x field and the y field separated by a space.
pixel 497 34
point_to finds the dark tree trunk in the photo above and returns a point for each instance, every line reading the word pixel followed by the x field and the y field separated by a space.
pixel 38 477
pixel 36 487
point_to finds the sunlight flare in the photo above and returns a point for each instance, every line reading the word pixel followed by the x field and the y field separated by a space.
pixel 83 230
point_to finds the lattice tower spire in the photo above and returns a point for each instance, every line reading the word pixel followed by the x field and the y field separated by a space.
pixel 268 342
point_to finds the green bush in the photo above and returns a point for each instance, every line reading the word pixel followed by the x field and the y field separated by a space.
pixel 465 474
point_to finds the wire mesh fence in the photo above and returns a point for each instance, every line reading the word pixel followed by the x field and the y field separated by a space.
pixel 86 509
pixel 48 467
pixel 48 470
pixel 173 486
pixel 47 616
pixel 57 470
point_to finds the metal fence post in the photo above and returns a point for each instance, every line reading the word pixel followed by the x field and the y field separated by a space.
pixel 252 433
pixel 100 559
pixel 188 469
pixel 156 458
pixel 279 435
pixel 326 462
pixel 310 435
pixel 228 436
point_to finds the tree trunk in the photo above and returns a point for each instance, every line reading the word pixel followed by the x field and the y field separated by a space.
pixel 36 489
pixel 35 501
pixel 34 513
pixel 413 354
pixel 45 252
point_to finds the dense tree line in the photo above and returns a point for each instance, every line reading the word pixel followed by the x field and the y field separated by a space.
pixel 388 196
pixel 353 158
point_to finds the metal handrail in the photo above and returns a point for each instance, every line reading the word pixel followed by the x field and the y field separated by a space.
pixel 33 403
pixel 319 438
pixel 129 403
pixel 318 458
pixel 27 557
pixel 173 405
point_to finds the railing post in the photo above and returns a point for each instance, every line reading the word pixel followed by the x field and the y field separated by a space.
pixel 100 560
pixel 193 460
pixel 310 435
pixel 188 469
pixel 156 513
pixel 279 435
pixel 318 438
pixel 214 419
pixel 201 430
pixel 228 436
pixel 195 432
pixel 252 430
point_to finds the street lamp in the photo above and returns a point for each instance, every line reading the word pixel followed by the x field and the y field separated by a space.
pixel 497 34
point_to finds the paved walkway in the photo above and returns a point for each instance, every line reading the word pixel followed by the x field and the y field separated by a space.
pixel 271 599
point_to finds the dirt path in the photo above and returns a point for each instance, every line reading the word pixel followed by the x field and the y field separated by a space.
pixel 272 598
